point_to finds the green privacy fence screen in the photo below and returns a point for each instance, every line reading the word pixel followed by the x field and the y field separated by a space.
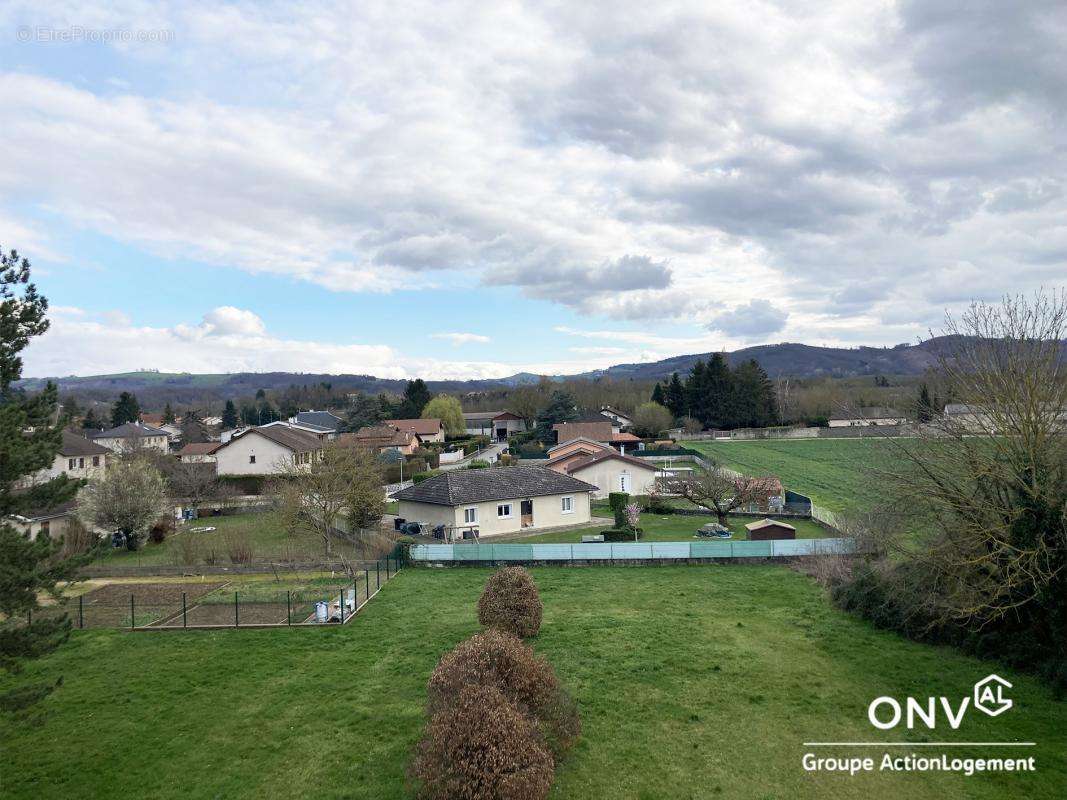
pixel 629 551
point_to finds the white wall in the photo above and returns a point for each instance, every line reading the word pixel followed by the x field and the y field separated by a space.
pixel 605 476
pixel 235 457
pixel 547 513
pixel 161 443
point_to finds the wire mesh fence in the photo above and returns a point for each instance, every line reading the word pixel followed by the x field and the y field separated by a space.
pixel 293 601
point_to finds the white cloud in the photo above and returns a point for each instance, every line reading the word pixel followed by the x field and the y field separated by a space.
pixel 672 164
pixel 230 321
pixel 461 338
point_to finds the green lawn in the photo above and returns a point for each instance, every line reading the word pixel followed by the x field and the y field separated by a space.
pixel 265 534
pixel 833 472
pixel 664 528
pixel 693 682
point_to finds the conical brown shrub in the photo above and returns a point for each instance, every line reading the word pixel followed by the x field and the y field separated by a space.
pixel 502 660
pixel 479 746
pixel 510 602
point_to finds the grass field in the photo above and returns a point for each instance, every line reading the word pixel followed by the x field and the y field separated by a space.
pixel 693 682
pixel 666 528
pixel 833 472
pixel 262 533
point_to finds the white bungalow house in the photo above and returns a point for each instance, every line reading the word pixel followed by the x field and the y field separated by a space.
pixel 199 452
pixel 267 450
pixel 497 500
pixel 132 436
pixel 624 420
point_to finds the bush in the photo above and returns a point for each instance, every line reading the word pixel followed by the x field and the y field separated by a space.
pixel 481 747
pixel 239 547
pixel 527 681
pixel 478 463
pixel 419 477
pixel 510 602
pixel 617 503
pixel 621 534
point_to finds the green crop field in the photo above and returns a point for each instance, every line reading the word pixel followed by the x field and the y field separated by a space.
pixel 692 682
pixel 833 472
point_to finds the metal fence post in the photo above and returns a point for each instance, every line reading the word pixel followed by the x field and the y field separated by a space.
pixel 289 606
pixel 378 573
pixel 133 624
pixel 236 612
pixel 81 611
pixel 366 575
pixel 185 619
pixel 387 567
pixel 342 606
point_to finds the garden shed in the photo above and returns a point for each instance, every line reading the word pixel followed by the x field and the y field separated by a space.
pixel 765 529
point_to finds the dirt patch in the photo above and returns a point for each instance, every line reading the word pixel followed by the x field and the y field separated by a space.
pixel 223 614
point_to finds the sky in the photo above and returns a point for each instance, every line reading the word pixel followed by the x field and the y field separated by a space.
pixel 469 190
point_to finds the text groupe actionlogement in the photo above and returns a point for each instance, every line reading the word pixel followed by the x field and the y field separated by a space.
pixel 915 763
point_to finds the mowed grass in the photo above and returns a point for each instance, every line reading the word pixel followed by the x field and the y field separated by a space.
pixel 693 682
pixel 661 528
pixel 835 473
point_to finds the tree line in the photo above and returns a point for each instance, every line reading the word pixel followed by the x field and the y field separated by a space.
pixel 720 397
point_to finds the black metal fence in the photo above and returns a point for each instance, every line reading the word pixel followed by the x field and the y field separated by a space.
pixel 212 602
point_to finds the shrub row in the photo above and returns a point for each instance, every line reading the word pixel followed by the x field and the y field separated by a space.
pixel 499 720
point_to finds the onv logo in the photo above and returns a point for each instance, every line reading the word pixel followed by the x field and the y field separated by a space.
pixel 886 713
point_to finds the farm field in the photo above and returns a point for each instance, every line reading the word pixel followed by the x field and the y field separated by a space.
pixel 833 472
pixel 661 528
pixel 693 682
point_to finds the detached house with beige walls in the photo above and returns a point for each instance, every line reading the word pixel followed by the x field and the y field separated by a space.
pixel 497 500
pixel 267 450
pixel 132 436
pixel 607 469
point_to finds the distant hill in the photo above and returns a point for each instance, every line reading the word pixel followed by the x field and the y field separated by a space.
pixel 786 359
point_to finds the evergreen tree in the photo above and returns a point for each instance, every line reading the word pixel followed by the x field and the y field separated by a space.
pixel 249 414
pixel 754 402
pixel 91 422
pixel 229 416
pixel 924 406
pixel 168 415
pixel 70 409
pixel 675 396
pixel 561 408
pixel 416 396
pixel 364 411
pixel 29 442
pixel 126 409
pixel 193 430
pixel 658 396
pixel 719 388
pixel 696 393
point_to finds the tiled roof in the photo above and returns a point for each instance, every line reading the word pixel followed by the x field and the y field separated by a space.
pixel 296 440
pixel 422 427
pixel 75 445
pixel 130 430
pixel 605 454
pixel 199 448
pixel 871 412
pixel 461 486
pixel 766 523
pixel 319 419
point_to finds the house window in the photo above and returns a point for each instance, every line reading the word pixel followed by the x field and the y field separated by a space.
pixel 46 528
pixel 566 505
pixel 70 463
pixel 81 463
pixel 96 461
pixel 504 511
pixel 252 458
pixel 470 515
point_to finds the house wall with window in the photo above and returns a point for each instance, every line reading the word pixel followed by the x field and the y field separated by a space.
pixel 496 517
pixel 614 475
pixel 253 454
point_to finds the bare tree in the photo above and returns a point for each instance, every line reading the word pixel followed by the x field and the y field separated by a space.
pixel 129 498
pixel 986 486
pixel 344 485
pixel 720 491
